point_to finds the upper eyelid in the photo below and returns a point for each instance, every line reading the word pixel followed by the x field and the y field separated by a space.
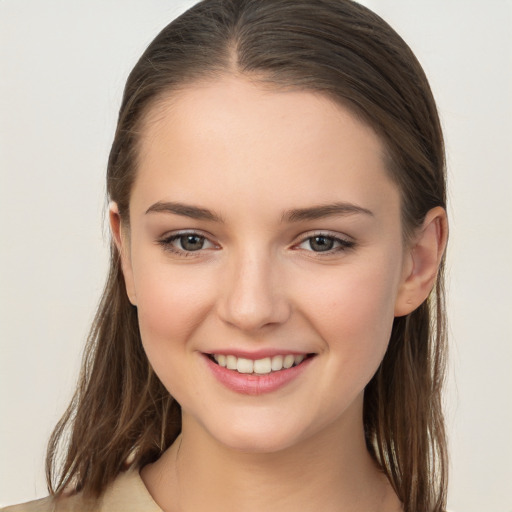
pixel 181 232
pixel 326 233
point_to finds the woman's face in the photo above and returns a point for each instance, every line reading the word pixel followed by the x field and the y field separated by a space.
pixel 264 230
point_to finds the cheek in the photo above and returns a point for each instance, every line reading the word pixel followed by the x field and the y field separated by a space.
pixel 172 301
pixel 170 308
pixel 353 311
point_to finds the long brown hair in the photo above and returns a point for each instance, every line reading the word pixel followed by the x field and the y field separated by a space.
pixel 336 47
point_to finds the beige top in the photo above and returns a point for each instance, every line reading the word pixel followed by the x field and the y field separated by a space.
pixel 127 493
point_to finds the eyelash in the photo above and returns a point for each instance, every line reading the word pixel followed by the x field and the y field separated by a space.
pixel 167 242
pixel 343 244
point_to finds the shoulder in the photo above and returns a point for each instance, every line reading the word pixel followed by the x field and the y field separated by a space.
pixel 127 493
pixel 42 505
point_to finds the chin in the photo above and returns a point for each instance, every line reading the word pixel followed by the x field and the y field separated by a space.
pixel 259 435
pixel 249 442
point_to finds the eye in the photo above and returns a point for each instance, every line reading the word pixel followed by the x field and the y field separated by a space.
pixel 325 243
pixel 191 242
pixel 321 243
pixel 184 243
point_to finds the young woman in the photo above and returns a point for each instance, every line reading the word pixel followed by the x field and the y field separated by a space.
pixel 271 335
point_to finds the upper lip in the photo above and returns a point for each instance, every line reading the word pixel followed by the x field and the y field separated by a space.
pixel 257 354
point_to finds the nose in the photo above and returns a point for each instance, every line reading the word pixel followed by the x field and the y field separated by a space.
pixel 252 294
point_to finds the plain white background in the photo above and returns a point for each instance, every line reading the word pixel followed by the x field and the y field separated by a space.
pixel 62 69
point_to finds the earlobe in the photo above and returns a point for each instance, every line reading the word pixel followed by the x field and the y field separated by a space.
pixel 120 239
pixel 422 262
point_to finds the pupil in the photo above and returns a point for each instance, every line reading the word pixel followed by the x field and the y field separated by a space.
pixel 321 243
pixel 191 242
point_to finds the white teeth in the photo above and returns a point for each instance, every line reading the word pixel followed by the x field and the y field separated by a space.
pixel 277 363
pixel 288 361
pixel 244 365
pixel 258 366
pixel 263 366
pixel 231 362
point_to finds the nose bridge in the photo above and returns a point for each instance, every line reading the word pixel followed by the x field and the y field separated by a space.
pixel 253 294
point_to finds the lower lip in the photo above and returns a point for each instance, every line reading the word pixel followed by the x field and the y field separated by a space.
pixel 252 384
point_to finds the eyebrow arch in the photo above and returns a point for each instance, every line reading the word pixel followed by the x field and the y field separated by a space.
pixel 185 210
pixel 323 210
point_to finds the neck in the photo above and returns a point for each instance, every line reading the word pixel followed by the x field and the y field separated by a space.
pixel 330 471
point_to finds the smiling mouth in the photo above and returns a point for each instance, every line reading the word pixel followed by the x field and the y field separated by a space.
pixel 262 366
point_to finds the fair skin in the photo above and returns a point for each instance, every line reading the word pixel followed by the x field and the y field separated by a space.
pixel 294 248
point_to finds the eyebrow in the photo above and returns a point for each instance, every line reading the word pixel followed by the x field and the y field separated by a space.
pixel 185 210
pixel 324 210
pixel 294 215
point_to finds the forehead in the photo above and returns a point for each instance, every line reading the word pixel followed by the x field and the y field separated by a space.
pixel 233 140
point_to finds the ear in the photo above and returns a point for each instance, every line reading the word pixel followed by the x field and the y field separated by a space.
pixel 421 262
pixel 122 241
